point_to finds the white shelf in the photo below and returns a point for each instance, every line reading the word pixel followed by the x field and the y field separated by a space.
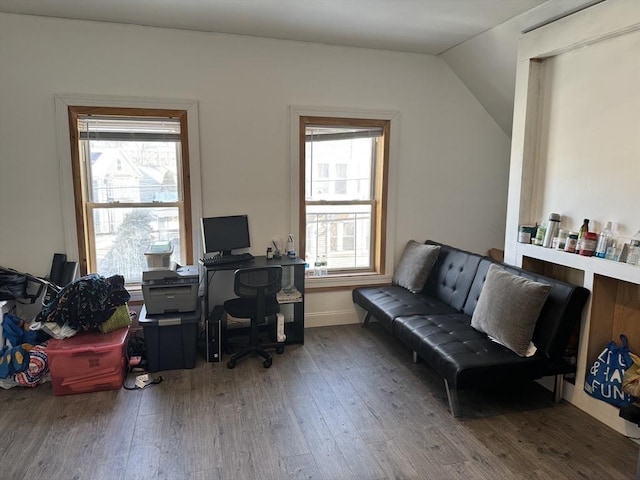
pixel 597 266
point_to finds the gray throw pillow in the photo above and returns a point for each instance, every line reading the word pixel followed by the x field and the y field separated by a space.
pixel 415 265
pixel 508 308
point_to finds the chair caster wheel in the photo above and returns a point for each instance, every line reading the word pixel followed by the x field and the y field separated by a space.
pixel 231 364
pixel 267 363
pixel 280 350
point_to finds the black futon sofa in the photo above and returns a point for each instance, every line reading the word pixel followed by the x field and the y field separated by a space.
pixel 436 324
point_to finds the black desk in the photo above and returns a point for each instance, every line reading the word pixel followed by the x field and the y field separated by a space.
pixel 293 312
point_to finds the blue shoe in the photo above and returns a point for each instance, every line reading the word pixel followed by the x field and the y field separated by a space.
pixel 5 362
pixel 20 358
pixel 14 360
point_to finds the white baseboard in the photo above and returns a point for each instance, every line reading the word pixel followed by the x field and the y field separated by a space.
pixel 326 319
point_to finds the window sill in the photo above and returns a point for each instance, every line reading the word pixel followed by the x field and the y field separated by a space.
pixel 346 281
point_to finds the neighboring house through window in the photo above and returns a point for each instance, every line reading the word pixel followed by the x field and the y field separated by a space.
pixel 131 187
pixel 344 170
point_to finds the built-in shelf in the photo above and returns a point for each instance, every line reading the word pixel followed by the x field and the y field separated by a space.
pixel 615 292
pixel 613 309
pixel 563 130
pixel 597 266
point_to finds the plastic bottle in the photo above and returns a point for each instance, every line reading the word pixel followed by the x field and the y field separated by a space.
pixel 583 229
pixel 560 241
pixel 633 258
pixel 291 249
pixel 540 233
pixel 604 241
pixel 323 265
pixel 552 229
pixel 317 266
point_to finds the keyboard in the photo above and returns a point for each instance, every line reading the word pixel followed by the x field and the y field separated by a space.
pixel 221 260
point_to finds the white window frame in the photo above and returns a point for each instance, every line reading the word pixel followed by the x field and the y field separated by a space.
pixel 296 184
pixel 62 102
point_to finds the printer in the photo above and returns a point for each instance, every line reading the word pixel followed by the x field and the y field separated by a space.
pixel 170 289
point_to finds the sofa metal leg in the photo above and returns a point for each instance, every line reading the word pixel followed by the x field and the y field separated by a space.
pixel 365 322
pixel 452 396
pixel 416 358
pixel 558 385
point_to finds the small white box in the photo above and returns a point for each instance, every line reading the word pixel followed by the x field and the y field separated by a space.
pixel 159 254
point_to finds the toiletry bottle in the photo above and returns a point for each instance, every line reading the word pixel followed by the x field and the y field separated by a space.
pixel 583 229
pixel 540 233
pixel 291 249
pixel 572 242
pixel 633 258
pixel 604 241
pixel 323 266
pixel 561 240
pixel 589 241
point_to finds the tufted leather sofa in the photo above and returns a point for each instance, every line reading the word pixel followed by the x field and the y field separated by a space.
pixel 436 324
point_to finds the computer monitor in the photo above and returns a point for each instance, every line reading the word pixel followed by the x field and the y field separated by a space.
pixel 224 234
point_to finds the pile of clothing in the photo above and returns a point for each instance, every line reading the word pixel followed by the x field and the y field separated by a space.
pixel 23 358
pixel 85 304
pixel 92 302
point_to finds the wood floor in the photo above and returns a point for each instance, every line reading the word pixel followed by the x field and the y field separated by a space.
pixel 349 404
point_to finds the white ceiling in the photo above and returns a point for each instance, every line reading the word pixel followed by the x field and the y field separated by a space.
pixel 422 26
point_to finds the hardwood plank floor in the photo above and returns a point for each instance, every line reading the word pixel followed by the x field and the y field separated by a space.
pixel 349 404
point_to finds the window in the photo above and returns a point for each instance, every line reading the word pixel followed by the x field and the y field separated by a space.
pixel 343 167
pixel 131 187
pixel 340 183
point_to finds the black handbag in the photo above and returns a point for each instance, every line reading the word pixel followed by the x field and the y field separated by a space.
pixel 21 287
pixel 13 284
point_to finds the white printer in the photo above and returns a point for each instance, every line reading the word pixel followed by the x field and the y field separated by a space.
pixel 172 289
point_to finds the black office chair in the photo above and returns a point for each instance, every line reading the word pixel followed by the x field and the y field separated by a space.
pixel 256 288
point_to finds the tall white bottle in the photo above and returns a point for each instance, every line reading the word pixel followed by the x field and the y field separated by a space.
pixel 605 238
pixel 291 249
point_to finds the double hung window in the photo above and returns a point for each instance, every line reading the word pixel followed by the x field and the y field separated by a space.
pixel 343 165
pixel 131 187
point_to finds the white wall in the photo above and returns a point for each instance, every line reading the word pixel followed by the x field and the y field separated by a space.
pixel 486 63
pixel 575 139
pixel 589 150
pixel 453 158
